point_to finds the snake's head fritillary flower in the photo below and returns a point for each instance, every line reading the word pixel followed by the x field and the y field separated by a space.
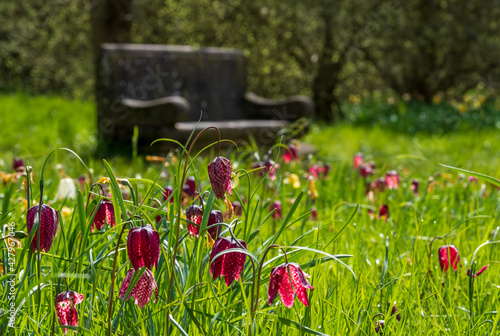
pixel 326 169
pixel 370 214
pixel 392 180
pixel 228 265
pixel 187 192
pixel 18 164
pixel 270 167
pixel 219 173
pixel 379 184
pixel 48 226
pixel 472 179
pixel 394 311
pixel 365 170
pixel 105 214
pixel 383 212
pixel 314 213
pixel 169 190
pixel 290 153
pixel 414 186
pixel 143 247
pixel 142 290
pixel 191 183
pixel 66 310
pixel 379 326
pixel 277 213
pixel 214 217
pixel 479 272
pixel 81 181
pixel 358 160
pixel 194 214
pixel 448 254
pixel 314 171
pixel 237 208
pixel 280 282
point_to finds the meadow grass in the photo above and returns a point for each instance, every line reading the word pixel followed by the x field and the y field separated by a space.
pixel 393 261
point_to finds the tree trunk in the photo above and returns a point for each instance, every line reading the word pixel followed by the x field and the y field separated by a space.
pixel 326 79
pixel 111 23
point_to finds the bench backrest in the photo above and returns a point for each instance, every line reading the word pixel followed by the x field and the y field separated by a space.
pixel 212 80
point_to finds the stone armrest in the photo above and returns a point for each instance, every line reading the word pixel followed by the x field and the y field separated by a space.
pixel 289 109
pixel 161 111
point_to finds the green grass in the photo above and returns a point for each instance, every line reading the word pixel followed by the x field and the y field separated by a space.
pixel 390 259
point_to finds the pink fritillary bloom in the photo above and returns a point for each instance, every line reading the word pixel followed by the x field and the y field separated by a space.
pixel 414 186
pixel 276 214
pixel 215 217
pixel 379 326
pixel 191 183
pixel 358 160
pixel 290 154
pixel 66 310
pixel 237 208
pixel 48 226
pixel 383 212
pixel 105 214
pixel 142 290
pixel 194 214
pixel 143 247
pixel 169 190
pixel 365 170
pixel 18 164
pixel 314 213
pixel 479 272
pixel 280 282
pixel 392 180
pixel 270 167
pixel 447 254
pixel 228 265
pixel 219 173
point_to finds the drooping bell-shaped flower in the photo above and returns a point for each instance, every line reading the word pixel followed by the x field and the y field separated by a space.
pixel 378 185
pixel 280 283
pixel 237 208
pixel 383 212
pixel 214 217
pixel 142 290
pixel 17 164
pixel 169 190
pixel 194 214
pixel 448 254
pixel 314 213
pixel 66 310
pixel 394 311
pixel 277 213
pixel 379 326
pixel 219 173
pixel 414 186
pixel 479 272
pixel 392 180
pixel 290 153
pixel 270 167
pixel 143 247
pixel 105 214
pixel 191 183
pixel 228 265
pixel 48 226
pixel 365 170
pixel 358 160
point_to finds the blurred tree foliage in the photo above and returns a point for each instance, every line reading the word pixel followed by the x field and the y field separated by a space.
pixel 326 49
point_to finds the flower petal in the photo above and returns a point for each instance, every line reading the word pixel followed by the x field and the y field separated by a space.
pixel 216 266
pixel 300 283
pixel 233 263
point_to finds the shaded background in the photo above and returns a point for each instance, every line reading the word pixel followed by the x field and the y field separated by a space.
pixel 334 51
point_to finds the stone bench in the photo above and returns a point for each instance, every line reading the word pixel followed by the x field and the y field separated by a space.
pixel 165 89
